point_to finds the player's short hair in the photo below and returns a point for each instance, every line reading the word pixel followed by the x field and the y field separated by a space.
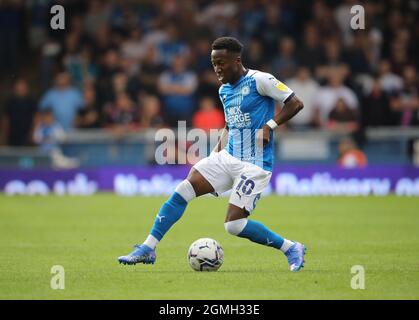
pixel 229 43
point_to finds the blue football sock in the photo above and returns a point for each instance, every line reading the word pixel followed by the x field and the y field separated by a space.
pixel 169 213
pixel 257 232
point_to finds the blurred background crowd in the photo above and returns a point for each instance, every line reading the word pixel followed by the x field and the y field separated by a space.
pixel 132 65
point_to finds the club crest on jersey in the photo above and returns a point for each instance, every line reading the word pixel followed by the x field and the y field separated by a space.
pixel 245 90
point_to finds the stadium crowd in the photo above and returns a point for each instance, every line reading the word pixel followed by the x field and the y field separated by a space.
pixel 145 64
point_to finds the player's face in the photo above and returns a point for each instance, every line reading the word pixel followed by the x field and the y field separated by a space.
pixel 226 65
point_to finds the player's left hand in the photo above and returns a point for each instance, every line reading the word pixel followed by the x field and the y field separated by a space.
pixel 264 135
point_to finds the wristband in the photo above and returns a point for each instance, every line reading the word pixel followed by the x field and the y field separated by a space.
pixel 272 124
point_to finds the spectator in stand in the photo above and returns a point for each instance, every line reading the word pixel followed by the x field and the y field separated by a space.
pixel 333 61
pixel 328 96
pixel 399 57
pixel 48 134
pixel 350 156
pixel 389 81
pixel 254 55
pixel 98 15
pixel 109 67
pixel 88 117
pixel 121 114
pixel 133 50
pixel 150 109
pixel 311 53
pixel 342 118
pixel 208 116
pixel 358 54
pixel 150 70
pixel 406 101
pixel 173 46
pixel 80 67
pixel 285 64
pixel 19 115
pixel 103 42
pixel 208 82
pixel 177 87
pixel 64 100
pixel 119 85
pixel 343 16
pixel 322 16
pixel 375 107
pixel 270 29
pixel 306 88
pixel 12 18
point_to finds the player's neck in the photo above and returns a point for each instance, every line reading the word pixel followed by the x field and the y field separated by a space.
pixel 239 74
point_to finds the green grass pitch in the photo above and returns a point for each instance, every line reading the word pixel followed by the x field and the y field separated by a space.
pixel 85 235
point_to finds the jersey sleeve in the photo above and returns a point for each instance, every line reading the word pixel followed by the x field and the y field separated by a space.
pixel 268 85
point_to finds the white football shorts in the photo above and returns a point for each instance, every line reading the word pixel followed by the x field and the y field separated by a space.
pixel 224 172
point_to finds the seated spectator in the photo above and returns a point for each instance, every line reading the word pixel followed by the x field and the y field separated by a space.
pixel 350 156
pixel 177 87
pixel 306 88
pixel 328 96
pixel 208 116
pixel 121 114
pixel 63 100
pixel 20 112
pixel 342 118
pixel 150 112
pixel 48 134
pixel 88 117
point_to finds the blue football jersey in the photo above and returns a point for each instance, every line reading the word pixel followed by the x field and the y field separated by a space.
pixel 248 105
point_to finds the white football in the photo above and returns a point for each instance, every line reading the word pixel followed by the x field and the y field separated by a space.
pixel 205 254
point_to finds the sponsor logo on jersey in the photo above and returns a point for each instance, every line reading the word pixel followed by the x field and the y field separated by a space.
pixel 281 86
pixel 236 118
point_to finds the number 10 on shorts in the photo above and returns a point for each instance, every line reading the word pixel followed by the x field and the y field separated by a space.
pixel 246 185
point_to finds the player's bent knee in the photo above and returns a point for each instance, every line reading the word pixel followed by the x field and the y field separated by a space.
pixel 236 226
pixel 186 190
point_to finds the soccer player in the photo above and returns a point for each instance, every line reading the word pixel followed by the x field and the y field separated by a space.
pixel 242 164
